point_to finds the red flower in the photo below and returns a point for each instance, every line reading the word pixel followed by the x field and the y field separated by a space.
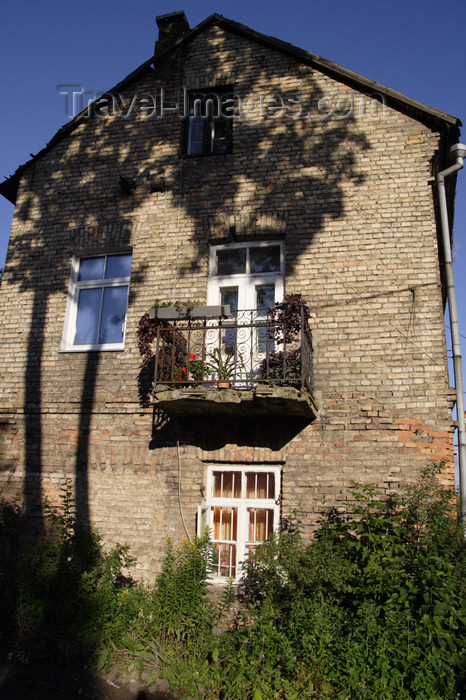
pixel 192 356
pixel 183 370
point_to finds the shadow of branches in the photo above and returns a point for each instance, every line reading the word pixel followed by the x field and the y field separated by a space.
pixel 283 180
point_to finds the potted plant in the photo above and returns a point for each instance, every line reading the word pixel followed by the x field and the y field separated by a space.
pixel 197 368
pixel 288 318
pixel 224 366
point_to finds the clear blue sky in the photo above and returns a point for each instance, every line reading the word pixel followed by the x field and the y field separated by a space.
pixel 414 46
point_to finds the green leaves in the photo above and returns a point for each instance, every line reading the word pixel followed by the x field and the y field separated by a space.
pixel 372 607
pixel 374 604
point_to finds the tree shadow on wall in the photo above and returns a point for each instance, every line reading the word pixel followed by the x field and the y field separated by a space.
pixel 286 175
pixel 283 180
pixel 97 218
pixel 60 389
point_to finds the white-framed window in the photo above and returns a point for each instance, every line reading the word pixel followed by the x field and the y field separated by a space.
pixel 97 302
pixel 241 510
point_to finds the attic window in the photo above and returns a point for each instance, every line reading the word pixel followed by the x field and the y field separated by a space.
pixel 208 129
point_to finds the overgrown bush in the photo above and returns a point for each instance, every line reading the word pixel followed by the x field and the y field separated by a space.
pixel 179 639
pixel 372 607
pixel 59 592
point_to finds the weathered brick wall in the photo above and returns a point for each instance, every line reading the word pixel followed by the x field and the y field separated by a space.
pixel 353 200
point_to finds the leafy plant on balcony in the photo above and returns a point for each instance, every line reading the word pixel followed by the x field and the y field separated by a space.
pixel 183 306
pixel 194 369
pixel 283 366
pixel 197 368
pixel 286 318
pixel 147 327
pixel 216 365
pixel 146 333
pixel 226 366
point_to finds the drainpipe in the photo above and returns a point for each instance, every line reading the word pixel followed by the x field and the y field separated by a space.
pixel 458 152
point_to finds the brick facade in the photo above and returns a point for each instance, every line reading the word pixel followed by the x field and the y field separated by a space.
pixel 353 200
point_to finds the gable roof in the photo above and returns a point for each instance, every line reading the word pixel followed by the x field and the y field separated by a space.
pixel 447 124
pixel 333 70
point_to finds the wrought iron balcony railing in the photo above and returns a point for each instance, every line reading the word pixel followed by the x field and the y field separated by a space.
pixel 240 349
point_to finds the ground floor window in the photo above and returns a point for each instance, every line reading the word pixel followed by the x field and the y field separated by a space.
pixel 241 510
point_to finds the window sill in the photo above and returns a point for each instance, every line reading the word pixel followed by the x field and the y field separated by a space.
pixel 93 348
pixel 223 582
pixel 189 156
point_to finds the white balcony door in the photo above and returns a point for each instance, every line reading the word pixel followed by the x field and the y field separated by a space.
pixel 249 278
pixel 246 276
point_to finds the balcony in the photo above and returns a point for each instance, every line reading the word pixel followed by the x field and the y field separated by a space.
pixel 210 361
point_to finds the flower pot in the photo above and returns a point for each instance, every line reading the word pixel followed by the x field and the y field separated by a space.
pixel 224 384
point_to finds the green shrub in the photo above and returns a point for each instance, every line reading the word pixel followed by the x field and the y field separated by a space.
pixel 375 603
pixel 59 592
pixel 177 632
pixel 181 610
pixel 372 607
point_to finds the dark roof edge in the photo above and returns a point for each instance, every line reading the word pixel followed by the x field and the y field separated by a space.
pixel 328 67
pixel 9 187
pixel 333 69
pixel 433 117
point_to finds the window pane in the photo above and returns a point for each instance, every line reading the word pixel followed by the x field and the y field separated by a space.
pixel 91 268
pixel 113 315
pixel 196 106
pixel 265 259
pixel 227 484
pixel 208 131
pixel 260 524
pixel 224 560
pixel 229 295
pixel 225 523
pixel 220 129
pixel 87 321
pixel 220 146
pixel 212 104
pixel 260 485
pixel 195 135
pixel 265 296
pixel 231 262
pixel 220 136
pixel 118 266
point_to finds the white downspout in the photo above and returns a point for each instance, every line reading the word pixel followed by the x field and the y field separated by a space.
pixel 458 152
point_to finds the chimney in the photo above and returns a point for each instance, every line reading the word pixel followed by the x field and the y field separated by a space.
pixel 172 26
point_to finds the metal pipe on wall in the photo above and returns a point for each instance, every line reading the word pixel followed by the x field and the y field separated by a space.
pixel 458 152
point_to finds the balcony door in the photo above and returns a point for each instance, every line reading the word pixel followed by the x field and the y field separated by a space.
pixel 249 277
pixel 246 275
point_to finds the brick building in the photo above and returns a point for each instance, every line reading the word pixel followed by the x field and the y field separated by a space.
pixel 231 169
